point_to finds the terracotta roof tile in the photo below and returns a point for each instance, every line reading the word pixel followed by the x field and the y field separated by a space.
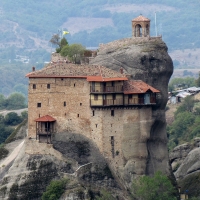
pixel 46 118
pixel 141 18
pixel 78 71
pixel 137 87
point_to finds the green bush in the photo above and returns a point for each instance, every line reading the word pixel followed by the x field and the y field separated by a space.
pixel 105 195
pixel 54 190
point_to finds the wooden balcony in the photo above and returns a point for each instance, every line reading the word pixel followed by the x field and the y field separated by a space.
pixel 140 101
pixel 107 102
pixel 106 89
pixel 44 131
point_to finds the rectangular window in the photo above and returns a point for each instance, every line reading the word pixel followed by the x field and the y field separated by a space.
pixel 130 96
pixel 112 146
pixel 114 96
pixel 34 86
pixel 64 103
pixel 112 113
pixel 48 86
pixel 39 105
pixel 96 97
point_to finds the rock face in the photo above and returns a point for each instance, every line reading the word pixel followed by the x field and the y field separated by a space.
pixel 71 156
pixel 144 59
pixel 185 162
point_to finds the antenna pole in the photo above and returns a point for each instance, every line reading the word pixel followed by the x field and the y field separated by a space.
pixel 155 25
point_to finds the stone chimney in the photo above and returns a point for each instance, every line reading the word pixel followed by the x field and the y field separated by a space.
pixel 121 70
pixel 33 69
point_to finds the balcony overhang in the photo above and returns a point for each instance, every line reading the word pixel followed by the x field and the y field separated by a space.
pixel 46 118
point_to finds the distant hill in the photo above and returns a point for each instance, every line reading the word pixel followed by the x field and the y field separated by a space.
pixel 27 26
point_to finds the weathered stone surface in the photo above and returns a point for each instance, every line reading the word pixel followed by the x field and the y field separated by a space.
pixel 144 59
pixel 190 164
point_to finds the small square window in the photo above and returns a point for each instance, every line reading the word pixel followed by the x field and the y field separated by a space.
pixel 80 104
pixel 34 86
pixel 48 86
pixel 96 97
pixel 112 113
pixel 39 105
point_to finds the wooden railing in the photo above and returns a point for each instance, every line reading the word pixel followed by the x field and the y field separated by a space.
pixel 110 102
pixel 44 131
pixel 106 89
pixel 121 101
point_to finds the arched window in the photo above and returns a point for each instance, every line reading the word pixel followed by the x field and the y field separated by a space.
pixel 147 30
pixel 138 30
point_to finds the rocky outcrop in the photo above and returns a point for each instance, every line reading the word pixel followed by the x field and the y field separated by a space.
pixel 144 59
pixel 186 166
pixel 71 156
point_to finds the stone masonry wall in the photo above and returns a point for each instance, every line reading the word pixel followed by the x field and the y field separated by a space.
pixel 120 134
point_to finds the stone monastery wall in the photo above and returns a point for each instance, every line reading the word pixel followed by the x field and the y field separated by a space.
pixel 116 131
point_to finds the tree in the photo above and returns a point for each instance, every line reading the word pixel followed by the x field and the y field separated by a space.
pixel 12 119
pixel 158 187
pixel 74 52
pixel 55 40
pixel 198 81
pixel 15 101
pixel 187 105
pixel 181 82
pixel 2 101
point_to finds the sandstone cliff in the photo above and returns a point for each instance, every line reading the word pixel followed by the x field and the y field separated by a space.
pixel 144 59
pixel 26 175
pixel 186 166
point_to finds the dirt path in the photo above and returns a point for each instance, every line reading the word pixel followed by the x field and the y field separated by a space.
pixel 5 112
pixel 12 156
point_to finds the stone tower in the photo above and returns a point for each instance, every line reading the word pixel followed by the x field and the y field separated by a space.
pixel 141 27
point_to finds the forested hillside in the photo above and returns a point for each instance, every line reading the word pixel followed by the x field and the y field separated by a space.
pixel 27 26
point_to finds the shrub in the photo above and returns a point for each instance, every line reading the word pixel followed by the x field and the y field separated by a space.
pixel 54 190
pixel 105 195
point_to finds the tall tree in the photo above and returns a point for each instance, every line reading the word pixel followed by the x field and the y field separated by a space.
pixel 74 52
pixel 158 187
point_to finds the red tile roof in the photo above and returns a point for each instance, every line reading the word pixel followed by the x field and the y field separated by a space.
pixel 141 18
pixel 101 79
pixel 69 70
pixel 46 118
pixel 137 87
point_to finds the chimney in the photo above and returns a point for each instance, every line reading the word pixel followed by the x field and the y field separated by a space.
pixel 121 70
pixel 33 69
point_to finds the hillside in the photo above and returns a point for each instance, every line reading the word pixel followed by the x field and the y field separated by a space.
pixel 26 28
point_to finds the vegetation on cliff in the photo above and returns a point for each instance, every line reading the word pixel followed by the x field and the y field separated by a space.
pixel 55 189
pixel 154 188
pixel 7 123
pixel 186 123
